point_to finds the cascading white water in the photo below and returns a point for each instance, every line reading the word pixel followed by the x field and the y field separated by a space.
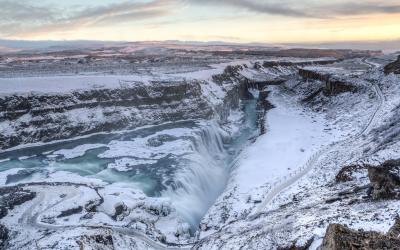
pixel 203 179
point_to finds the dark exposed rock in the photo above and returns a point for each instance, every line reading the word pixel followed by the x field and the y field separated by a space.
pixel 9 198
pixel 385 180
pixel 333 200
pixel 160 140
pixel 4 235
pixel 270 64
pixel 393 67
pixel 346 173
pixel 229 74
pixel 332 86
pixel 92 205
pixel 14 196
pixel 295 247
pixel 8 190
pixel 339 237
pixel 394 231
pixel 3 212
pixel 263 105
pixel 313 95
pixel 335 87
pixel 69 212
pixel 98 241
pixel 120 210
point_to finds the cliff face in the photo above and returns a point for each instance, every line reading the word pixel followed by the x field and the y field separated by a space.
pixel 332 86
pixel 43 117
pixel 269 64
pixel 393 67
pixel 46 117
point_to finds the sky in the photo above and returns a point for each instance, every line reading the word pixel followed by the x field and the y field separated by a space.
pixel 263 21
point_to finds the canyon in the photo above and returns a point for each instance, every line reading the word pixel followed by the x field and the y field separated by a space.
pixel 186 149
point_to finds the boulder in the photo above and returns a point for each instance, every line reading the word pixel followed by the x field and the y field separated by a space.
pixel 339 237
pixel 385 180
pixel 100 241
pixel 347 173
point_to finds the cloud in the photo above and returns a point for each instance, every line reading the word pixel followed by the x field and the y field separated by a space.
pixel 17 18
pixel 28 18
pixel 361 8
pixel 13 11
pixel 126 11
pixel 264 7
pixel 308 8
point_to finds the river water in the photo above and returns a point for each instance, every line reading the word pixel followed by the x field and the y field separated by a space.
pixel 188 162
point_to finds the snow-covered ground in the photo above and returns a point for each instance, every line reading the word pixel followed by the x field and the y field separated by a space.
pixel 149 189
pixel 293 137
pixel 304 205
pixel 63 84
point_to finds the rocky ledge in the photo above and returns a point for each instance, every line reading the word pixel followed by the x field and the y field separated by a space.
pixel 393 67
pixel 341 237
pixel 332 86
pixel 385 180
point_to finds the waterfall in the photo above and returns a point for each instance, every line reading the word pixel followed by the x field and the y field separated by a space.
pixel 187 162
pixel 203 178
pixel 206 171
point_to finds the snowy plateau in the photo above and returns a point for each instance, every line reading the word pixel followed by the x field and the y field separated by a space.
pixel 164 146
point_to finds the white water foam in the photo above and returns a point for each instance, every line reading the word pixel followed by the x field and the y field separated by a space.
pixel 199 183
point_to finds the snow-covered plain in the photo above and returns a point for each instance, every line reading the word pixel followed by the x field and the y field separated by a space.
pixel 62 84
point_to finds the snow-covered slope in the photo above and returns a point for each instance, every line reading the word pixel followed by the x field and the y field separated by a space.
pixel 296 208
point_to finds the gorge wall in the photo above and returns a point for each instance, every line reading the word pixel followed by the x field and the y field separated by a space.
pixel 30 118
pixel 44 117
pixel 332 86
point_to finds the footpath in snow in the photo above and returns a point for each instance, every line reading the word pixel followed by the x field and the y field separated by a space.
pixel 292 138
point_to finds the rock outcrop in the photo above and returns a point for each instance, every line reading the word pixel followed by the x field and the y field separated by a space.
pixel 385 180
pixel 9 198
pixel 339 237
pixel 270 64
pixel 263 105
pixel 393 67
pixel 4 234
pixel 13 196
pixel 332 85
pixel 99 241
pixel 347 173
